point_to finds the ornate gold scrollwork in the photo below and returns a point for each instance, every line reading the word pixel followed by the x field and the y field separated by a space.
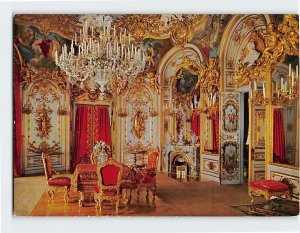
pixel 43 121
pixel 274 45
pixel 48 23
pixel 153 81
pixel 139 121
pixel 179 27
pixel 141 26
pixel 44 148
pixel 209 76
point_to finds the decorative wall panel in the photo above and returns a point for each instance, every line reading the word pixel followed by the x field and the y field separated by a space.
pixel 45 110
pixel 210 167
pixel 234 44
pixel 230 138
pixel 140 127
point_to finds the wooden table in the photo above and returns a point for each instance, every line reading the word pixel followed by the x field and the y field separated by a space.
pixel 85 180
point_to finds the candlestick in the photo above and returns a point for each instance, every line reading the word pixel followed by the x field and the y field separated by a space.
pixel 264 91
pixel 290 70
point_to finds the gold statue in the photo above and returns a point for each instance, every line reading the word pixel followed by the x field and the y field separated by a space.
pixel 154 82
pixel 139 124
pixel 209 76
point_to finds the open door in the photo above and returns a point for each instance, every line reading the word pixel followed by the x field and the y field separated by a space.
pixel 230 138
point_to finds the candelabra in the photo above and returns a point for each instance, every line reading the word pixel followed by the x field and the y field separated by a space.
pixel 284 93
pixel 211 106
pixel 103 55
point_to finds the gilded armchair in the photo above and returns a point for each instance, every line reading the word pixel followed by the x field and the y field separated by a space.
pixel 146 174
pixel 55 183
pixel 109 181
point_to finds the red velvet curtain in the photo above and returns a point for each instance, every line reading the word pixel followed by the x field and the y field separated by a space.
pixel 278 135
pixel 91 125
pixel 82 132
pixel 215 122
pixel 103 124
pixel 196 123
pixel 17 127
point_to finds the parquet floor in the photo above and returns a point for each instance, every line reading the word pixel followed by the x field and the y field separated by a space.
pixel 174 198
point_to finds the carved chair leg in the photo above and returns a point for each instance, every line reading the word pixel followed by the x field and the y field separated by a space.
pixel 50 194
pixel 117 205
pixel 100 205
pixel 129 198
pixel 267 196
pixel 66 195
pixel 81 198
pixel 137 194
pixel 147 195
pixel 251 195
pixel 154 193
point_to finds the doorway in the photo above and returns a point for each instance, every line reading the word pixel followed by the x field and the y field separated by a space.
pixel 245 137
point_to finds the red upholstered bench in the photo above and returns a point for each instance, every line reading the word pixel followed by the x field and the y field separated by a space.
pixel 268 188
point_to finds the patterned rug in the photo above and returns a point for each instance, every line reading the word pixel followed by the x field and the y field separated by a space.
pixel 275 207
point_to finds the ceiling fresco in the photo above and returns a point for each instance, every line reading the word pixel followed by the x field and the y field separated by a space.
pixel 38 36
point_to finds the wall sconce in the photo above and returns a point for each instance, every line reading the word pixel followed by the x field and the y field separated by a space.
pixel 27 108
pixel 61 111
pixel 211 107
pixel 152 112
pixel 284 94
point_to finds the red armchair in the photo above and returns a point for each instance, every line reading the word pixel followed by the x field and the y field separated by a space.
pixel 55 183
pixel 109 181
pixel 146 176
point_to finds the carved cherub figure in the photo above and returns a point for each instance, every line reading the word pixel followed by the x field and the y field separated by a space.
pixel 252 54
pixel 154 82
pixel 271 40
pixel 209 74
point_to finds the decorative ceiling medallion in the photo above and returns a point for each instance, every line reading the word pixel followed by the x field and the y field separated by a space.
pixel 178 26
pixel 143 26
pixel 64 25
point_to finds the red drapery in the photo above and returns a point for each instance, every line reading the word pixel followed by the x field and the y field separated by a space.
pixel 103 124
pixel 17 127
pixel 196 123
pixel 278 135
pixel 91 125
pixel 215 122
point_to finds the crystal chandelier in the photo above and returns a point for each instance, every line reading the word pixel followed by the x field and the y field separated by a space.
pixel 103 56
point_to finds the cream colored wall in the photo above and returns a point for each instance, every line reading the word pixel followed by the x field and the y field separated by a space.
pixel 47 95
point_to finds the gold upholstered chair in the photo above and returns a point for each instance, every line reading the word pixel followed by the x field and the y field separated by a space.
pixel 55 183
pixel 109 181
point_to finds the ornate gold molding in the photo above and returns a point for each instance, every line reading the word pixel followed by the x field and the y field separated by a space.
pixel 177 27
pixel 277 42
pixel 141 26
pixel 44 148
pixel 43 121
pixel 43 75
pixel 64 25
